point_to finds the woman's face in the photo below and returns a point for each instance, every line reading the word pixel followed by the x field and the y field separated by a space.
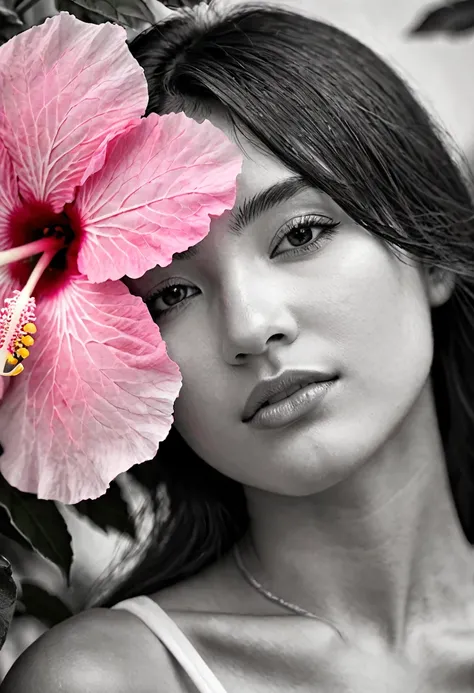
pixel 288 283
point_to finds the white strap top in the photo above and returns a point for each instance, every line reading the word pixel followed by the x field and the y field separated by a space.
pixel 174 639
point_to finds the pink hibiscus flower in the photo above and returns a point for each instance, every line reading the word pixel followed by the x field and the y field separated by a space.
pixel 91 192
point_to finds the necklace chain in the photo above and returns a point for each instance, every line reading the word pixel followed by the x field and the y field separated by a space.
pixel 273 597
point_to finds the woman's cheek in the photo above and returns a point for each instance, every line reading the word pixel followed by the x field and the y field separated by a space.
pixel 192 347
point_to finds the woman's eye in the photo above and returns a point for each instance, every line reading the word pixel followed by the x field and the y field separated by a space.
pixel 169 297
pixel 305 235
pixel 300 236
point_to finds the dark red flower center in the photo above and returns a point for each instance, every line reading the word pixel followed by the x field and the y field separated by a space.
pixel 37 221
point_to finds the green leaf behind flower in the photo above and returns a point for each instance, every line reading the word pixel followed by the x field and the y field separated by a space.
pixel 10 22
pixel 133 14
pixel 8 529
pixel 450 18
pixel 40 523
pixel 8 593
pixel 46 607
pixel 110 511
pixel 179 4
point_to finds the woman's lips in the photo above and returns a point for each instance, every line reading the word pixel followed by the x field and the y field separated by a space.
pixel 282 387
pixel 289 408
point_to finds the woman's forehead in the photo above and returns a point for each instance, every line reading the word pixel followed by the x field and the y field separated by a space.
pixel 259 171
pixel 260 168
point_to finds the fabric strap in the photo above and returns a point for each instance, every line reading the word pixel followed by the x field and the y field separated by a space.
pixel 174 639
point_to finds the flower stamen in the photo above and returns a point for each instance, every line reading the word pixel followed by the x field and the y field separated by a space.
pixel 13 330
pixel 17 317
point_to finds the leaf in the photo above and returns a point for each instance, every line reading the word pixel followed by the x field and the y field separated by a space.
pixel 8 13
pixel 8 530
pixel 40 523
pixel 455 18
pixel 109 511
pixel 10 22
pixel 46 607
pixel 8 593
pixel 133 14
pixel 179 4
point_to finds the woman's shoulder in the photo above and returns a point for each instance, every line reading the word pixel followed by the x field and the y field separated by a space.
pixel 103 650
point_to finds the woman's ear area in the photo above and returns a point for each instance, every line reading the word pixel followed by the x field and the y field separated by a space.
pixel 439 285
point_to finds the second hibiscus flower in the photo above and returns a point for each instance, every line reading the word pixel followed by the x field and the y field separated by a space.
pixel 91 192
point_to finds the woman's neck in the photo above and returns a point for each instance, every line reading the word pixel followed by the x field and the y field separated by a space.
pixel 382 550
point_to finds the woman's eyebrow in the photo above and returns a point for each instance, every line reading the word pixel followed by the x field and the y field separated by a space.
pixel 252 207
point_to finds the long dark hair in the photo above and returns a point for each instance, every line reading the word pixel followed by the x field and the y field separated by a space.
pixel 309 93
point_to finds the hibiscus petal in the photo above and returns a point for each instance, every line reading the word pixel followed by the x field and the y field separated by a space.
pixel 95 398
pixel 9 201
pixel 66 87
pixel 154 195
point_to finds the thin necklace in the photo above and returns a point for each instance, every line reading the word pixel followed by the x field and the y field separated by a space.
pixel 273 597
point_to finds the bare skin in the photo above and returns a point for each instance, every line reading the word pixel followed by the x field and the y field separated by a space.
pixel 249 643
pixel 352 517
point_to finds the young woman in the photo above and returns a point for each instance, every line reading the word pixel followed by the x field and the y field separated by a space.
pixel 320 469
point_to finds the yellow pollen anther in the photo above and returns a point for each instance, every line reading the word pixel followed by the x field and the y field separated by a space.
pixel 12 360
pixel 29 328
pixel 23 353
pixel 27 340
pixel 19 369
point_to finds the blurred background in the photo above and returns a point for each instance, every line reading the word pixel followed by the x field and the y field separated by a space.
pixel 439 67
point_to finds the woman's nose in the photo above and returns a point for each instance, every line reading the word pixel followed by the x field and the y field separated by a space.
pixel 255 317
